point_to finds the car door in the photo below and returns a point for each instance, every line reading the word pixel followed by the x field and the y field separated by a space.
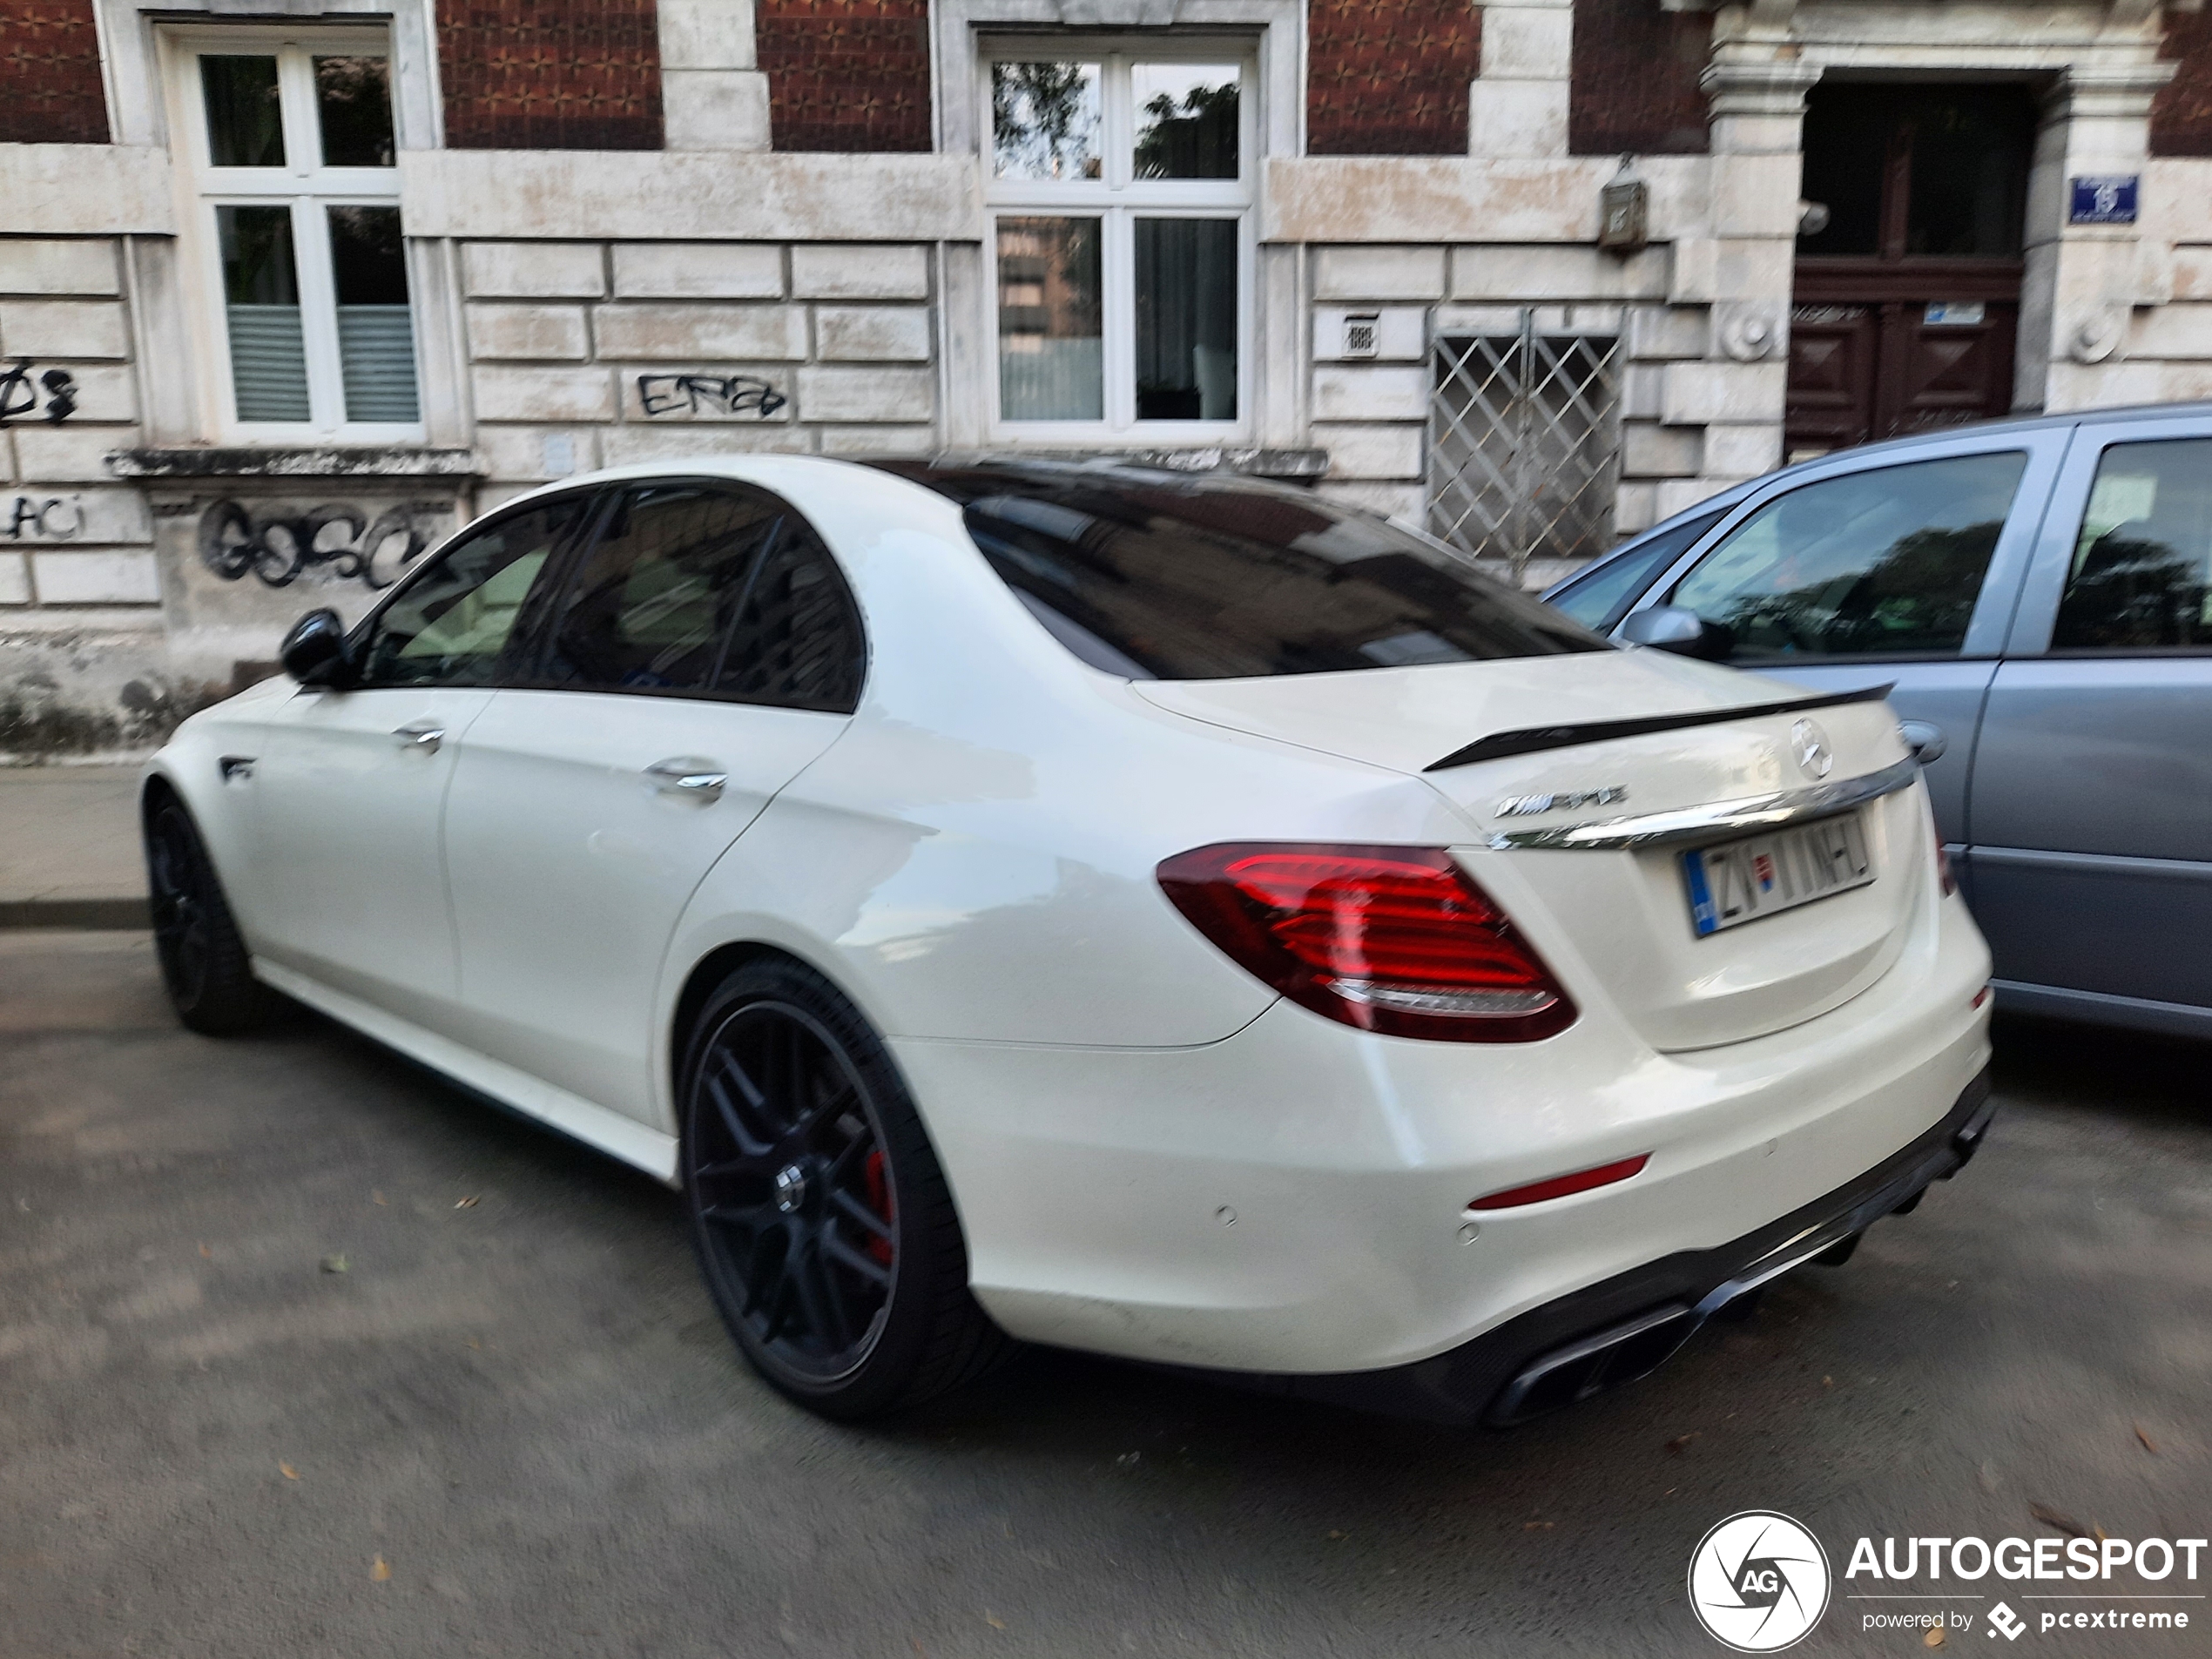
pixel 1903 569
pixel 703 649
pixel 2092 787
pixel 349 784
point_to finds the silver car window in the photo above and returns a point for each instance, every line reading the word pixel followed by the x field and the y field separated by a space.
pixel 2142 574
pixel 1884 563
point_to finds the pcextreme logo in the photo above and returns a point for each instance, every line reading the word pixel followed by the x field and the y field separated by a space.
pixel 1758 1581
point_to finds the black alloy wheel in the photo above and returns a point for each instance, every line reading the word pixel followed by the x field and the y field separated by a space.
pixel 205 964
pixel 823 1223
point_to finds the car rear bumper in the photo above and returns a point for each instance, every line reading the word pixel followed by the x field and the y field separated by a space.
pixel 1628 1326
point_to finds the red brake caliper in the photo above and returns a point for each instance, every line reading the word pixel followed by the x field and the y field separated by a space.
pixel 880 1200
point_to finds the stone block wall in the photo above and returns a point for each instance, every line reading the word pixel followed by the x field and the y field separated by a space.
pixel 584 354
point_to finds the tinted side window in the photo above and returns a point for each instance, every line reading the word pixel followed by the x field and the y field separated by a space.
pixel 798 643
pixel 651 601
pixel 2142 577
pixel 1598 599
pixel 451 625
pixel 1883 562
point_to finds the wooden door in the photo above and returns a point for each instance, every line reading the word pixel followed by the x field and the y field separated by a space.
pixel 1906 303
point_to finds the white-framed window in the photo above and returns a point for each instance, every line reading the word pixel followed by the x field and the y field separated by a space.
pixel 1119 181
pixel 288 144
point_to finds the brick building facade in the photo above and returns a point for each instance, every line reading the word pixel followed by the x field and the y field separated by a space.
pixel 285 295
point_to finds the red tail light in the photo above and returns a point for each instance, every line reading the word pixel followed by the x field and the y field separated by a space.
pixel 1390 938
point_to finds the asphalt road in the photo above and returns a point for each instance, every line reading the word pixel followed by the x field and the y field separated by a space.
pixel 516 1399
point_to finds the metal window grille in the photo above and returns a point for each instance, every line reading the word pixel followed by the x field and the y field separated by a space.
pixel 1524 444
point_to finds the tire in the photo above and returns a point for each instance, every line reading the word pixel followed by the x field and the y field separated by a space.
pixel 205 964
pixel 823 1223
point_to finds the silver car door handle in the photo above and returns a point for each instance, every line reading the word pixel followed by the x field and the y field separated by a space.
pixel 425 735
pixel 1926 739
pixel 696 780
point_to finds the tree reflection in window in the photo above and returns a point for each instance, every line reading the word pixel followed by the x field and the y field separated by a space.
pixel 1045 121
pixel 1886 563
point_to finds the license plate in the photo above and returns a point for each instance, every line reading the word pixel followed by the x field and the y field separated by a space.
pixel 1763 875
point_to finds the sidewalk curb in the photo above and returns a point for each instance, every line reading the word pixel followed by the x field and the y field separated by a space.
pixel 95 914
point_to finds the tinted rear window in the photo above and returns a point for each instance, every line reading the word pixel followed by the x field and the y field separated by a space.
pixel 1187 581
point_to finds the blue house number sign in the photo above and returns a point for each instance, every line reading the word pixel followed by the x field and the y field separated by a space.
pixel 2104 199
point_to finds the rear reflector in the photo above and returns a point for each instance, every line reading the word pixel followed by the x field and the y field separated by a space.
pixel 1390 938
pixel 1559 1185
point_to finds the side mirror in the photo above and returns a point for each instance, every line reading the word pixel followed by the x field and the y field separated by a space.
pixel 1672 628
pixel 315 651
pixel 1926 739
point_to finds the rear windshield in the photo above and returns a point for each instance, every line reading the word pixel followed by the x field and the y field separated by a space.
pixel 1165 579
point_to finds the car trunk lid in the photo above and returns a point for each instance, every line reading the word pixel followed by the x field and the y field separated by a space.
pixel 1542 755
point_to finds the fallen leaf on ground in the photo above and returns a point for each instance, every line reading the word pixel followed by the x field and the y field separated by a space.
pixel 1536 1526
pixel 334 1264
pixel 287 1472
pixel 466 1204
pixel 1681 1442
pixel 376 1197
pixel 2149 1444
pixel 211 1254
pixel 1339 1534
pixel 380 1569
pixel 1827 1382
pixel 2100 1531
pixel 993 1620
pixel 1934 1639
pixel 2051 1517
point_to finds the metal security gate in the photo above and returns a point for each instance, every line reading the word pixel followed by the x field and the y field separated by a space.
pixel 1524 444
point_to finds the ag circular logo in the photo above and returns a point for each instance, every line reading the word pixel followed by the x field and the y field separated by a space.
pixel 1758 1581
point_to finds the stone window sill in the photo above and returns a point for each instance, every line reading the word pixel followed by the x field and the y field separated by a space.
pixel 395 462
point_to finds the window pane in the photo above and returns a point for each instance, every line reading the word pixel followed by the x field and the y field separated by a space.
pixel 353 106
pixel 375 327
pixel 1212 580
pixel 2143 566
pixel 244 124
pixel 262 292
pixel 1597 600
pixel 449 626
pixel 1186 319
pixel 651 605
pixel 1186 120
pixel 1044 120
pixel 1888 561
pixel 798 643
pixel 1970 150
pixel 1050 348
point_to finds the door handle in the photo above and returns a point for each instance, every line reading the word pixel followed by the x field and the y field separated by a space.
pixel 425 735
pixel 692 779
pixel 1924 739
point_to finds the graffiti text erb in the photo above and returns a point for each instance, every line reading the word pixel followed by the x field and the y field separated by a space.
pixel 710 394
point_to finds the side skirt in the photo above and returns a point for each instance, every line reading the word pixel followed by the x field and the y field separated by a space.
pixel 2099 1008
pixel 611 1132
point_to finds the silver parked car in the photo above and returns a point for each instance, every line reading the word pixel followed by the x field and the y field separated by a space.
pixel 2038 591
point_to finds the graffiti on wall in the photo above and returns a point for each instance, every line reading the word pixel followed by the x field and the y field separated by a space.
pixel 708 394
pixel 343 542
pixel 43 518
pixel 24 388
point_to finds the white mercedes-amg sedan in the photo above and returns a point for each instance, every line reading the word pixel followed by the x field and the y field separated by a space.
pixel 1177 918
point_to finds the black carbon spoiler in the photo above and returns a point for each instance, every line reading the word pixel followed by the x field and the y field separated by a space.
pixel 1534 739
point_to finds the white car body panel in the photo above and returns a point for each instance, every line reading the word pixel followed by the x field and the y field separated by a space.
pixel 970 858
pixel 564 912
